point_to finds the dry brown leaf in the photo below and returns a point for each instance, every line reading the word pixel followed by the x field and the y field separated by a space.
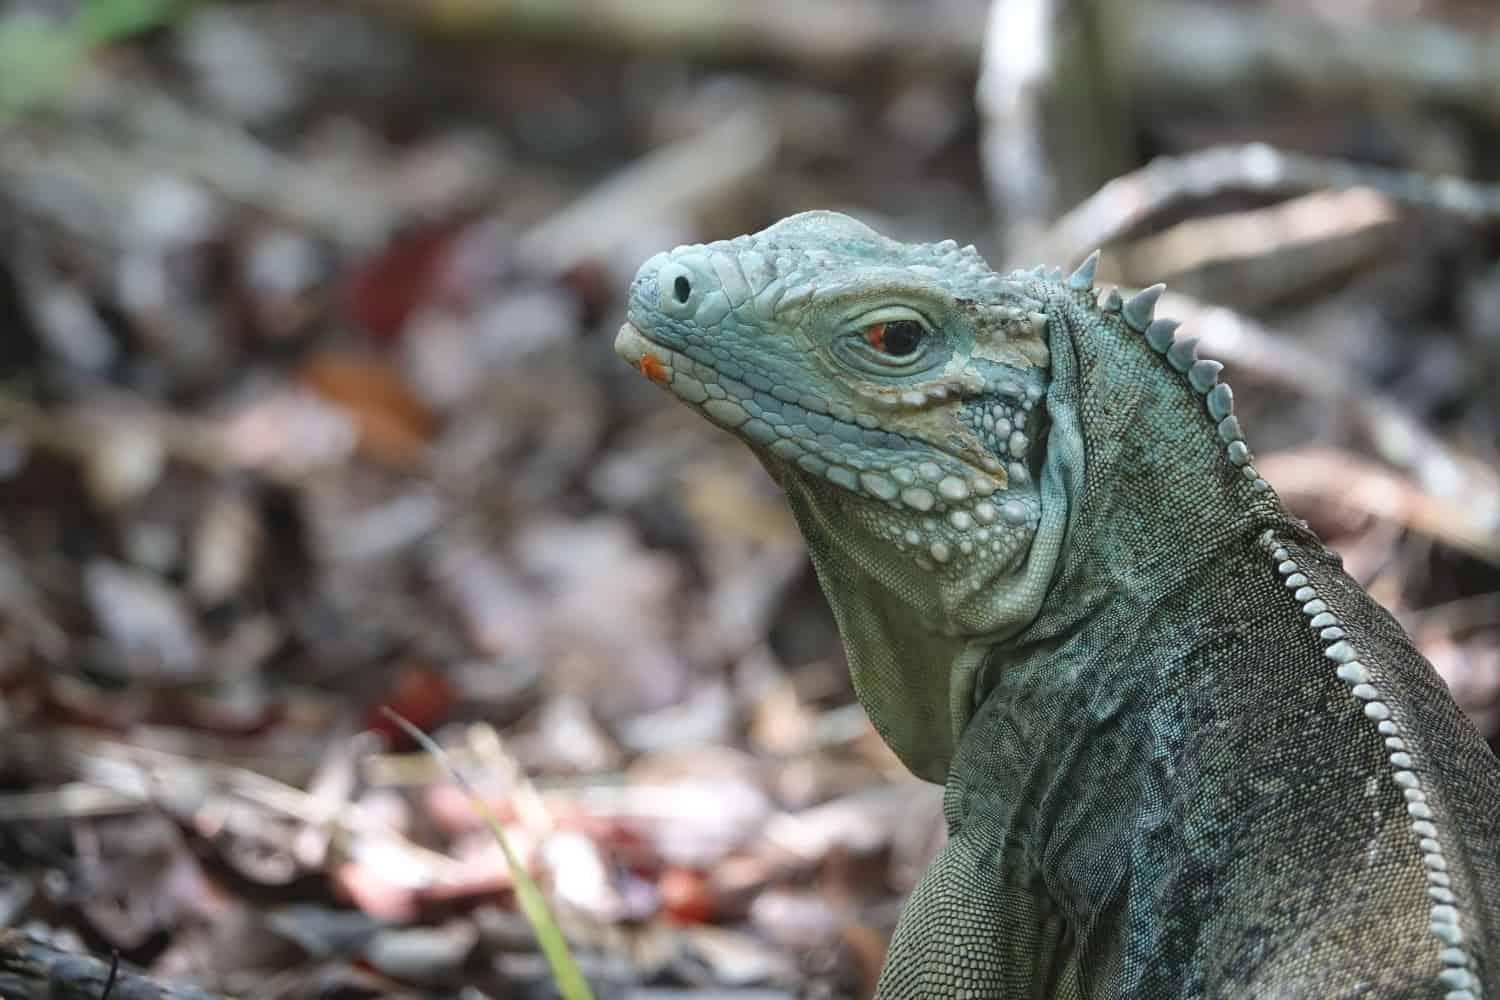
pixel 394 426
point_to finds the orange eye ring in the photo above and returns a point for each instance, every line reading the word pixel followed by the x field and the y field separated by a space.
pixel 875 336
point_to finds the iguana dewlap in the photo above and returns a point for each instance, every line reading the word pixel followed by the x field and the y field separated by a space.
pixel 1185 754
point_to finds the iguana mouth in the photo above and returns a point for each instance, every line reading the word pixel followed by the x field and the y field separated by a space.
pixel 663 364
pixel 738 406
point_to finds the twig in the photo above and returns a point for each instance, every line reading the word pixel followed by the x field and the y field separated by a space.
pixel 1016 74
pixel 1469 485
pixel 489 751
pixel 114 970
pixel 1217 55
pixel 1462 614
pixel 130 772
pixel 74 800
pixel 674 182
pixel 1131 200
pixel 67 173
pixel 1267 254
pixel 1052 126
pixel 1340 479
pixel 826 37
pixel 34 970
pixel 79 432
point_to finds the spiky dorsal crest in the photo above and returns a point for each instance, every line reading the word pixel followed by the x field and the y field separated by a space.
pixel 1181 353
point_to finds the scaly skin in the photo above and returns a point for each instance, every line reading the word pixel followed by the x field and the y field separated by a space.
pixel 1185 754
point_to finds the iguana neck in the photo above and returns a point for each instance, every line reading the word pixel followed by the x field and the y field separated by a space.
pixel 1145 479
pixel 1150 463
pixel 1087 718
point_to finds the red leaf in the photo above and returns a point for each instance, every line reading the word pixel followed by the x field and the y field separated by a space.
pixel 685 896
pixel 382 291
pixel 421 694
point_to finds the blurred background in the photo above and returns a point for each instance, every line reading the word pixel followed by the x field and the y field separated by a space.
pixel 308 406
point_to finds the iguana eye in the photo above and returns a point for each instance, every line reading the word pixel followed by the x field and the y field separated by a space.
pixel 897 338
pixel 891 341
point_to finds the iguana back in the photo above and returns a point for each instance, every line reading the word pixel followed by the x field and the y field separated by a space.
pixel 1185 754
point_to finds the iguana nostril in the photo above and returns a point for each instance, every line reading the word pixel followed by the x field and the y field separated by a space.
pixel 678 288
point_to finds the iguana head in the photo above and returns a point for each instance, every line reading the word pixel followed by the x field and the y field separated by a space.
pixel 894 391
pixel 940 431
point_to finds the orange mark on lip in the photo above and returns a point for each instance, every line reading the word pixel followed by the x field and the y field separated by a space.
pixel 875 336
pixel 651 367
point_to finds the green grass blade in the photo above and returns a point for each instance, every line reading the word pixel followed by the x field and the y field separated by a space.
pixel 38 56
pixel 569 981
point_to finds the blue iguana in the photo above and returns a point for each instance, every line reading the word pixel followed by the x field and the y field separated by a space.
pixel 1185 754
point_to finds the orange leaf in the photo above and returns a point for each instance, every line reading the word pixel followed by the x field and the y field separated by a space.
pixel 393 424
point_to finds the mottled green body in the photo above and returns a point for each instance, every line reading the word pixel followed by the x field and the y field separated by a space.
pixel 1185 754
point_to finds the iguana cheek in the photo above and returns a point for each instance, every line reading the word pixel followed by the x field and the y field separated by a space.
pixel 996 453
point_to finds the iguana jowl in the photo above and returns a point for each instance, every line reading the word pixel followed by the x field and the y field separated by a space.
pixel 1185 754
